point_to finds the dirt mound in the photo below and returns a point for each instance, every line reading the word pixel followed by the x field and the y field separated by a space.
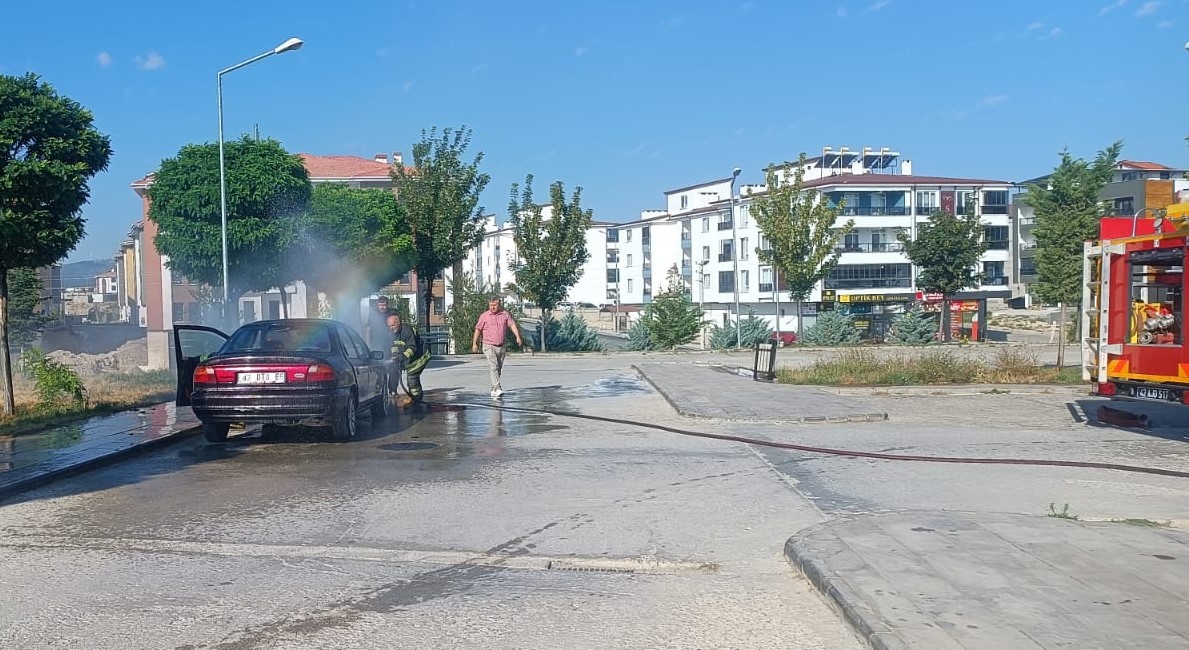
pixel 126 358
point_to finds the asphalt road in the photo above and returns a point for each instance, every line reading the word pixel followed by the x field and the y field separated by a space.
pixel 450 526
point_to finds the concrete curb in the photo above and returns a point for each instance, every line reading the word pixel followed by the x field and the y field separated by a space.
pixel 841 596
pixel 45 478
pixel 809 419
pixel 961 389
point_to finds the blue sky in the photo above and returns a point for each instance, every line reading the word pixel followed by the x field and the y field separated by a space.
pixel 626 99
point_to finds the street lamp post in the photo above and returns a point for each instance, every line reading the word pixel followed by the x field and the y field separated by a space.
pixel 288 46
pixel 735 259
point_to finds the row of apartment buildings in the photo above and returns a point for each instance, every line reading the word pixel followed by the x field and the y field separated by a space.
pixel 703 238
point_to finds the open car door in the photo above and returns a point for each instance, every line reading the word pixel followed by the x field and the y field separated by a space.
pixel 192 344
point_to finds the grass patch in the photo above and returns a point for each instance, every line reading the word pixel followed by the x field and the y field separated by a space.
pixel 1143 523
pixel 937 366
pixel 1063 513
pixel 105 394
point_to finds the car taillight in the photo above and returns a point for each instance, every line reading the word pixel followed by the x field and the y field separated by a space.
pixel 316 372
pixel 204 375
pixel 1105 389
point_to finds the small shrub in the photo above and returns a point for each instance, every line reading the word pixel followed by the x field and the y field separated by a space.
pixel 54 380
pixel 639 338
pixel 752 330
pixel 913 327
pixel 571 334
pixel 832 329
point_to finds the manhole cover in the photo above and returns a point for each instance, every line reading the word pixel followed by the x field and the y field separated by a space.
pixel 409 446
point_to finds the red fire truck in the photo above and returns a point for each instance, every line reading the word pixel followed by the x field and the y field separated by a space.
pixel 1133 339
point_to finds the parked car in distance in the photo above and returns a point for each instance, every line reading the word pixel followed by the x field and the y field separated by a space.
pixel 279 372
pixel 785 338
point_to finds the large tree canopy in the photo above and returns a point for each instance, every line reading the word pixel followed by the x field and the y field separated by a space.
pixel 268 189
pixel 550 251
pixel 49 150
pixel 356 240
pixel 440 194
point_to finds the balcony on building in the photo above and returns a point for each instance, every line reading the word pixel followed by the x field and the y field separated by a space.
pixel 870 276
pixel 725 225
pixel 725 257
pixel 995 281
pixel 869 204
pixel 871 247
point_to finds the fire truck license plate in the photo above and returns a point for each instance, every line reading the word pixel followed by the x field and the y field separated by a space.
pixel 1152 393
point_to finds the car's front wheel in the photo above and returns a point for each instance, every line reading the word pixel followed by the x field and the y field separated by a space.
pixel 344 424
pixel 216 431
pixel 380 406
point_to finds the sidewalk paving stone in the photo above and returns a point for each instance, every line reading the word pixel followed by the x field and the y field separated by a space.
pixel 706 392
pixel 32 459
pixel 959 580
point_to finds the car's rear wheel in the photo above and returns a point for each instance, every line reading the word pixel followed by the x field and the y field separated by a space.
pixel 216 431
pixel 344 424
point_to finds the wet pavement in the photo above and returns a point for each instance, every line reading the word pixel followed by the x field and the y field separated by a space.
pixel 34 458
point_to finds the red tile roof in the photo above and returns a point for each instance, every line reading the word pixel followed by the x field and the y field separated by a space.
pixel 344 167
pixel 897 179
pixel 1142 164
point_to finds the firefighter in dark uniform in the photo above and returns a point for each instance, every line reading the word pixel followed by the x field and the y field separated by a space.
pixel 409 353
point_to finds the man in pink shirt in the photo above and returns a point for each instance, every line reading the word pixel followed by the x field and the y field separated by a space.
pixel 493 328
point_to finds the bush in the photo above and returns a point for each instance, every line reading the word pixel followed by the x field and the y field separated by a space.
pixel 672 318
pixel 866 367
pixel 913 327
pixel 54 380
pixel 752 330
pixel 570 334
pixel 639 338
pixel 833 328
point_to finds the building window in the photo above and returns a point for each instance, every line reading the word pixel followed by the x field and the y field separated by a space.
pixel 1123 206
pixel 629 263
pixel 705 224
pixel 996 237
pixel 995 202
pixel 613 257
pixel 870 276
pixel 612 276
pixel 726 250
pixel 629 236
pixel 705 253
pixel 613 236
pixel 726 282
pixel 629 285
pixel 613 294
pixel 743 255
pixel 439 306
pixel 744 280
pixel 993 275
pixel 646 235
pixel 764 244
pixel 684 201
pixel 961 198
pixel 1129 176
pixel 743 216
pixel 179 312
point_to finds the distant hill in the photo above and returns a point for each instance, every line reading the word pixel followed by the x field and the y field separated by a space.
pixel 82 274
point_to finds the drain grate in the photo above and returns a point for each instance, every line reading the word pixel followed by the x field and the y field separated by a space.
pixel 409 446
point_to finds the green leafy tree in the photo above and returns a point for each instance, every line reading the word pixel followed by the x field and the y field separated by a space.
pixel 913 327
pixel 49 151
pixel 1067 208
pixel 268 191
pixel 832 329
pixel 672 318
pixel 25 316
pixel 550 251
pixel 752 330
pixel 440 195
pixel 947 249
pixel 802 231
pixel 639 338
pixel 354 241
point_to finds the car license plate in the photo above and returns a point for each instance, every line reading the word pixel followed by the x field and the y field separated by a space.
pixel 1143 392
pixel 260 378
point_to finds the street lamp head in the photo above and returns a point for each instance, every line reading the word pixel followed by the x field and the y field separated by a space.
pixel 1187 45
pixel 288 46
pixel 735 172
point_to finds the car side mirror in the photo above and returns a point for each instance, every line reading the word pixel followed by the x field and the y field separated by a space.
pixel 377 355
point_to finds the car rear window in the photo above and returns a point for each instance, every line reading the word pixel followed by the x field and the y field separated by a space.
pixel 279 337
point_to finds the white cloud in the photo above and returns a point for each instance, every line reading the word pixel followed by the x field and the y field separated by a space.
pixel 1147 8
pixel 408 85
pixel 104 60
pixel 842 13
pixel 1111 7
pixel 1033 27
pixel 876 6
pixel 152 61
pixel 579 51
pixel 478 69
pixel 994 100
pixel 1164 24
pixel 1054 32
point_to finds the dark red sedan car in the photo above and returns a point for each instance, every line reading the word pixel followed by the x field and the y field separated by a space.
pixel 279 372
